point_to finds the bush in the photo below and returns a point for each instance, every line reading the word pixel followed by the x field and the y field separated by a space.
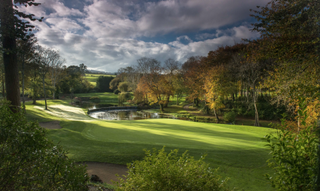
pixel 29 161
pixel 229 117
pixel 116 91
pixel 95 99
pixel 294 156
pixel 162 171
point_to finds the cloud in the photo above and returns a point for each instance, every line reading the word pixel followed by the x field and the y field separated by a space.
pixel 189 15
pixel 104 34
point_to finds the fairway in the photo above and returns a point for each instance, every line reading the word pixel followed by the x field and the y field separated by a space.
pixel 238 151
pixel 92 78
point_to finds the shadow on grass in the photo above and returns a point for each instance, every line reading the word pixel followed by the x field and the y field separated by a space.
pixel 199 134
pixel 241 165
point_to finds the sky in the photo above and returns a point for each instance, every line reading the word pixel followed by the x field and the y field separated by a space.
pixel 109 34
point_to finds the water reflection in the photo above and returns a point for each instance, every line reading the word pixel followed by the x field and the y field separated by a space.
pixel 126 115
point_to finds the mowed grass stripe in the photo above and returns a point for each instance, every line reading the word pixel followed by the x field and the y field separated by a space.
pixel 164 133
pixel 238 151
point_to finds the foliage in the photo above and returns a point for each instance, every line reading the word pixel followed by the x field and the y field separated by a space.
pixel 29 161
pixel 289 29
pixel 95 99
pixel 124 87
pixel 73 81
pixel 116 91
pixel 114 83
pixel 103 83
pixel 229 117
pixel 155 87
pixel 123 97
pixel 162 171
pixel 294 155
pixel 290 35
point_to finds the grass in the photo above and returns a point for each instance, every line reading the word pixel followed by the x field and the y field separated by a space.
pixel 105 97
pixel 92 78
pixel 237 150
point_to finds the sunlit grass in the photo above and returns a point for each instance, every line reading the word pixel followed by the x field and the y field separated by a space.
pixel 92 78
pixel 237 150
pixel 105 97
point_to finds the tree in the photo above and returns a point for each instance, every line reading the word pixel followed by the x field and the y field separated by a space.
pixel 194 71
pixel 43 57
pixel 2 77
pixel 25 51
pixel 171 67
pixel 55 69
pixel 103 83
pixel 217 85
pixel 255 70
pixel 289 29
pixel 154 85
pixel 83 69
pixel 11 28
pixel 290 34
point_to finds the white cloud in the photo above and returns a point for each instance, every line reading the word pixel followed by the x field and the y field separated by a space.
pixel 104 35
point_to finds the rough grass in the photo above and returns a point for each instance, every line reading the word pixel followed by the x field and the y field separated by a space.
pixel 238 151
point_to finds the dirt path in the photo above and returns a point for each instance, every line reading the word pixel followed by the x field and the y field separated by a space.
pixel 106 171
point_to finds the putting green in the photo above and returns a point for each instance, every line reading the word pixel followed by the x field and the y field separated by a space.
pixel 238 151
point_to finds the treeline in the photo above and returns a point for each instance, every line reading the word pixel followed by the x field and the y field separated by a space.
pixel 42 73
pixel 262 78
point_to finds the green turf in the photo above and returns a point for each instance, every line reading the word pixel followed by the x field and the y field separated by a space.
pixel 92 78
pixel 105 97
pixel 238 151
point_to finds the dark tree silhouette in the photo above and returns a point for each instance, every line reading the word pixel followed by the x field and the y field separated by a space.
pixel 12 27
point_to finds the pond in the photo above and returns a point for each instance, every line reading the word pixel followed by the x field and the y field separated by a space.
pixel 127 114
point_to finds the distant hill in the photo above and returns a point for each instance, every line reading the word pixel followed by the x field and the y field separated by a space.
pixel 99 72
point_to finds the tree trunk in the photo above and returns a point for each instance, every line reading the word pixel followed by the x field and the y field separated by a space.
pixel 256 114
pixel 22 72
pixel 3 87
pixel 195 102
pixel 177 99
pixel 34 98
pixel 215 114
pixel 168 99
pixel 161 107
pixel 9 55
pixel 45 95
pixel 206 110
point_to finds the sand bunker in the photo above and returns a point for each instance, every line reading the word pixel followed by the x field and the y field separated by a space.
pixel 50 125
pixel 106 171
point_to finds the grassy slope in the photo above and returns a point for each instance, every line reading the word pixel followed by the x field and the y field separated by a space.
pixel 105 97
pixel 92 78
pixel 238 150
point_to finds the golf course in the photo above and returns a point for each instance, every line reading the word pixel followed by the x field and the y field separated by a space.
pixel 238 151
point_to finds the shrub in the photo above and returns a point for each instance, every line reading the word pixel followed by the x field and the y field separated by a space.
pixel 294 156
pixel 229 117
pixel 162 171
pixel 29 161
pixel 116 91
pixel 95 99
